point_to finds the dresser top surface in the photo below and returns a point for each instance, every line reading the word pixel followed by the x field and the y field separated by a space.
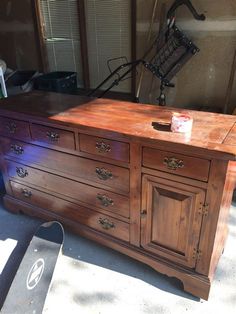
pixel 210 130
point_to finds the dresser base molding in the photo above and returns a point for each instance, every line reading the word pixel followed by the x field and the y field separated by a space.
pixel 193 283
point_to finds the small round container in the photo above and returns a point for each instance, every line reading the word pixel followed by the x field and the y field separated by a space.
pixel 181 123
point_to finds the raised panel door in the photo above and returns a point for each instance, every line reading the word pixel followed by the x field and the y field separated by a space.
pixel 171 219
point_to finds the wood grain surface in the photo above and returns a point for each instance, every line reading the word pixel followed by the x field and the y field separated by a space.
pixel 210 130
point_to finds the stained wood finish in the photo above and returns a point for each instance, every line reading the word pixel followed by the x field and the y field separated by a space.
pixel 174 220
pixel 135 120
pixel 218 189
pixel 83 168
pixel 172 207
pixel 52 136
pixel 64 208
pixel 14 128
pixel 135 191
pixel 178 164
pixel 104 147
pixel 222 226
pixel 231 137
pixel 80 192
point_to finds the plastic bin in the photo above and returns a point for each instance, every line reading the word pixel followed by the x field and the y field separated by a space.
pixel 61 82
pixel 20 82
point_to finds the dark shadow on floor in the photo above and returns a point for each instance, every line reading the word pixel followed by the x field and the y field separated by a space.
pixel 21 229
pixel 82 249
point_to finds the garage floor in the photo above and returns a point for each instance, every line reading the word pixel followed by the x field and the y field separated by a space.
pixel 93 279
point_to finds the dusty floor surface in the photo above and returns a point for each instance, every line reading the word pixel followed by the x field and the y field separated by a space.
pixel 91 279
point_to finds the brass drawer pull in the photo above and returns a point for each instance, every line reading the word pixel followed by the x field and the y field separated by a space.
pixel 22 173
pixel 105 201
pixel 17 149
pixel 26 193
pixel 106 223
pixel 53 136
pixel 173 163
pixel 103 147
pixel 103 173
pixel 11 127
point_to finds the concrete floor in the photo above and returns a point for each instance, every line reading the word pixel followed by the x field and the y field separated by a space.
pixel 91 279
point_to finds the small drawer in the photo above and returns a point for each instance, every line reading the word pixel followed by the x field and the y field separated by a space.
pixel 104 147
pixel 47 136
pixel 14 128
pixel 76 213
pixel 92 196
pixel 186 166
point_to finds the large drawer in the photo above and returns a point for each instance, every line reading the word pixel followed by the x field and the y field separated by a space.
pixel 74 212
pixel 87 194
pixel 104 147
pixel 89 170
pixel 14 128
pixel 48 136
pixel 192 167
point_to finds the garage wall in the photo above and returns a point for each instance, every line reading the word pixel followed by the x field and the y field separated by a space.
pixel 204 79
pixel 18 46
pixel 202 82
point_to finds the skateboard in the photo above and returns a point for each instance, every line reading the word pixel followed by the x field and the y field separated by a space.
pixel 32 281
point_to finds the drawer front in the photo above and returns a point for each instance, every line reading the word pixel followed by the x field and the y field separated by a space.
pixel 89 170
pixel 186 166
pixel 14 128
pixel 90 218
pixel 87 194
pixel 52 136
pixel 104 147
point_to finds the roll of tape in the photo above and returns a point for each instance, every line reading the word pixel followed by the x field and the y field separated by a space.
pixel 181 123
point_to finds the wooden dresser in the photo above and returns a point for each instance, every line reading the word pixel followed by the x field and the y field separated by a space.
pixel 101 168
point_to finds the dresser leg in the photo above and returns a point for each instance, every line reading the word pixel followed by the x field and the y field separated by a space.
pixel 198 288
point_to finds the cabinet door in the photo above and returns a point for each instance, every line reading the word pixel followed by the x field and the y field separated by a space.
pixel 171 219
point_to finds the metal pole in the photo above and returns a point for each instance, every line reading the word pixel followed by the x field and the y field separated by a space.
pixel 148 40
